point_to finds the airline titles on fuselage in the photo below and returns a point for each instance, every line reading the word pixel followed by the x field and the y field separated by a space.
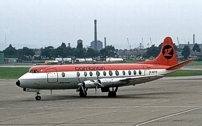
pixel 89 68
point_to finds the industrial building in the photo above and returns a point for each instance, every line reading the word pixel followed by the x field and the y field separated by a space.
pixel 190 45
pixel 1 57
pixel 181 46
pixel 78 42
pixel 96 44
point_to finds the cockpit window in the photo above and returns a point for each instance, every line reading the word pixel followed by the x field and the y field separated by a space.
pixel 33 71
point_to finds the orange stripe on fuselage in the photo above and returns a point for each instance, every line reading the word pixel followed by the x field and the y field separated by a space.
pixel 96 67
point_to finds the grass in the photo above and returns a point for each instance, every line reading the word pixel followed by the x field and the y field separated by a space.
pixel 16 72
pixel 12 72
pixel 185 73
pixel 195 63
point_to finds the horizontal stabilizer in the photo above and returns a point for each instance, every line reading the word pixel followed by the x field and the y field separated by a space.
pixel 179 65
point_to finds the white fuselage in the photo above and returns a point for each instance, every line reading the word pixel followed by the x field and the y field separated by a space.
pixel 71 79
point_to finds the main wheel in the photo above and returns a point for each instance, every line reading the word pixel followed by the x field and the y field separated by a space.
pixel 81 94
pixel 112 94
pixel 38 98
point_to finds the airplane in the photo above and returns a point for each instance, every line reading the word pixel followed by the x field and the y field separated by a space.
pixel 107 77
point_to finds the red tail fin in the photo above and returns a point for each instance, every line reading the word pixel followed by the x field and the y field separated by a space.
pixel 167 55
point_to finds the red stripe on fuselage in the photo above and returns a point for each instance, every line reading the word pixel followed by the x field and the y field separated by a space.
pixel 95 67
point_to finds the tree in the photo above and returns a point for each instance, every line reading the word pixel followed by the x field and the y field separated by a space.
pixel 152 51
pixel 79 51
pixel 10 51
pixel 91 53
pixel 196 48
pixel 111 51
pixel 185 52
pixel 69 52
pixel 103 53
pixel 25 53
pixel 61 51
pixel 48 52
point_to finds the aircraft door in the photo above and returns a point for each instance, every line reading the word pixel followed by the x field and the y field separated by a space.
pixel 146 70
pixel 52 75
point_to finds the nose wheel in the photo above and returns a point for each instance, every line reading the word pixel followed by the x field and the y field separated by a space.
pixel 37 96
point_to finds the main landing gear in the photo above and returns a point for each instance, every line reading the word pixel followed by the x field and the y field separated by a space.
pixel 83 93
pixel 38 97
pixel 113 92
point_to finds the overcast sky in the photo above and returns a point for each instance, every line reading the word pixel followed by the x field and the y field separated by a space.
pixel 40 23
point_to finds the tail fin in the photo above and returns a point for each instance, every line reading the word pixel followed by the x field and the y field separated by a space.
pixel 167 55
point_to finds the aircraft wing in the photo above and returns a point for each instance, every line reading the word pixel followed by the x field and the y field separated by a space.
pixel 139 78
pixel 108 82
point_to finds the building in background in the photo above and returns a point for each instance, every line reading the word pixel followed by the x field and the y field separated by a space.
pixel 181 46
pixel 79 42
pixel 99 45
pixel 1 57
pixel 96 44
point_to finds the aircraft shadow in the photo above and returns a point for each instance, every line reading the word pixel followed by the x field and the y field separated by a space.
pixel 156 95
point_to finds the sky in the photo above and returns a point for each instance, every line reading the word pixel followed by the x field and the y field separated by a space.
pixel 41 23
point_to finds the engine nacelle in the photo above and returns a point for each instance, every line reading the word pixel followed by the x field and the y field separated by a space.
pixel 89 84
pixel 108 82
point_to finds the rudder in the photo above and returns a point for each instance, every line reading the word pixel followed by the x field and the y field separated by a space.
pixel 167 55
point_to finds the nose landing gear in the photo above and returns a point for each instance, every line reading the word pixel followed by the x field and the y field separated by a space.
pixel 38 97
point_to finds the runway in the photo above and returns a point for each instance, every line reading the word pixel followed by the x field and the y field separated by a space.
pixel 168 101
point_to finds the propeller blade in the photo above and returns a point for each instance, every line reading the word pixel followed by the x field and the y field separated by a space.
pixel 100 84
pixel 82 88
pixel 95 89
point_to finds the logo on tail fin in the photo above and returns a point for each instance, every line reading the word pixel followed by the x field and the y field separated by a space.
pixel 168 52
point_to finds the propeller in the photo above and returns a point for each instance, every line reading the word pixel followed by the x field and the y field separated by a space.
pixel 97 83
pixel 82 87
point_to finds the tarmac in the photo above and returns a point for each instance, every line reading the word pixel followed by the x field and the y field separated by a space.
pixel 170 101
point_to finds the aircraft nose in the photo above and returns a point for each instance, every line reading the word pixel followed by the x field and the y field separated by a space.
pixel 18 83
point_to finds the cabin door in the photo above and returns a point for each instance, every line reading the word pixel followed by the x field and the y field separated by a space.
pixel 52 75
pixel 146 70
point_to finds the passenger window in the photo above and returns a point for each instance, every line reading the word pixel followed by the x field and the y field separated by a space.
pixel 134 72
pixel 110 73
pixel 104 73
pixel 91 73
pixel 117 72
pixel 78 74
pixel 63 74
pixel 123 72
pixel 97 73
pixel 140 72
pixel 85 73
pixel 129 72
